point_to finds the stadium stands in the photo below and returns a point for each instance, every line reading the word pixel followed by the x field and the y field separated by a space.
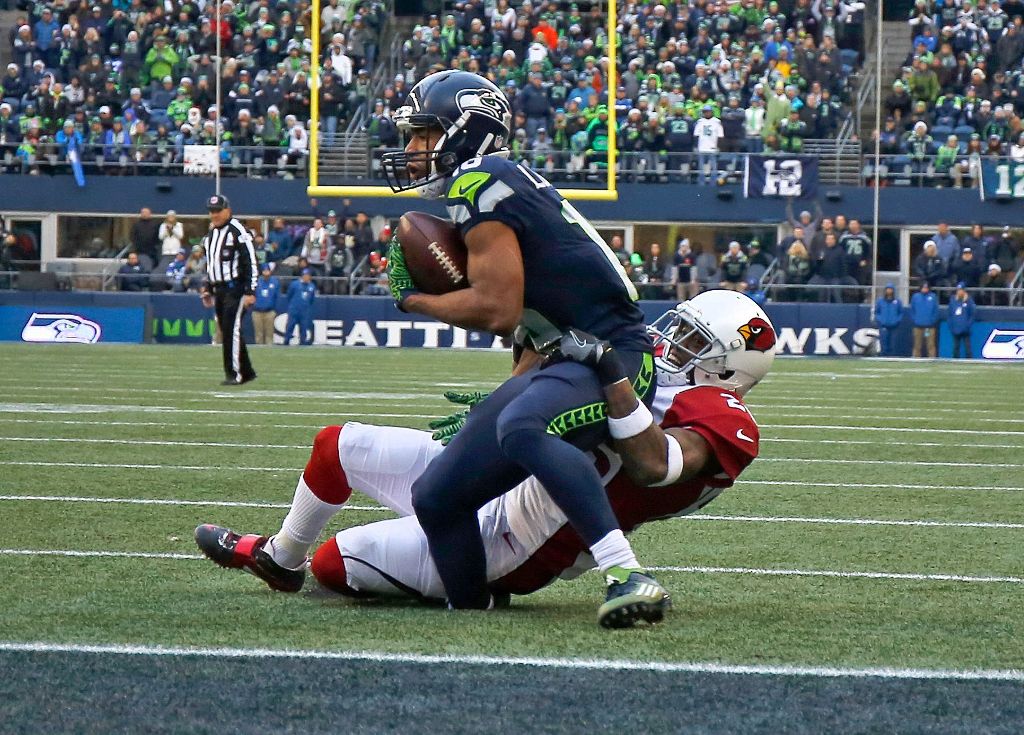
pixel 152 68
pixel 752 63
pixel 130 84
pixel 958 102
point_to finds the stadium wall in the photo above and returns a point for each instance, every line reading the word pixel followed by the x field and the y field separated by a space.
pixel 637 202
pixel 359 321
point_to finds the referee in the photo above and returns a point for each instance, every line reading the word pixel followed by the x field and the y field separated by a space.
pixel 231 272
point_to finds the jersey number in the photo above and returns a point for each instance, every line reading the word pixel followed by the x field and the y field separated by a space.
pixel 573 217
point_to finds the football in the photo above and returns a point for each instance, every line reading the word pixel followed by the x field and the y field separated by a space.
pixel 434 253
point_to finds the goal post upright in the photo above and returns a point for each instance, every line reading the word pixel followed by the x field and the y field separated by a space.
pixel 316 189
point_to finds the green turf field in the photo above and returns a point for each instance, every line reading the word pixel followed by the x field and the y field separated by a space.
pixel 882 525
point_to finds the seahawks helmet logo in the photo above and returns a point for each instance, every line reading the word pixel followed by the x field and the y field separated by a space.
pixel 486 102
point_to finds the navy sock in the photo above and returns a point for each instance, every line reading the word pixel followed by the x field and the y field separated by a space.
pixel 570 478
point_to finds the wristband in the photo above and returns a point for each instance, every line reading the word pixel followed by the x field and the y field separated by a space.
pixel 629 426
pixel 675 462
pixel 609 368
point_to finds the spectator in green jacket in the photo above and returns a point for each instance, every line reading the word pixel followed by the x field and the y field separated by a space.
pixel 161 59
pixel 945 159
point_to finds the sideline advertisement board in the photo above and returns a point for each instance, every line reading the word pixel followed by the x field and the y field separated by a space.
pixel 64 324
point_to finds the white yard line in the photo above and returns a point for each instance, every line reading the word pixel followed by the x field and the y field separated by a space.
pixel 851 521
pixel 380 508
pixel 839 574
pixel 207 468
pixel 58 408
pixel 684 667
pixel 169 501
pixel 889 443
pixel 152 442
pixel 874 485
pixel 244 445
pixel 850 427
pixel 764 439
pixel 895 463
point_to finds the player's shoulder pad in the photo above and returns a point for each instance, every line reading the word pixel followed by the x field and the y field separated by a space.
pixel 479 185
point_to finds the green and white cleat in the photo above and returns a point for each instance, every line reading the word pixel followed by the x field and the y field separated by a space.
pixel 632 596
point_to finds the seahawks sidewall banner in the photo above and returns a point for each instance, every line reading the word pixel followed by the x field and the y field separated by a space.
pixel 781 176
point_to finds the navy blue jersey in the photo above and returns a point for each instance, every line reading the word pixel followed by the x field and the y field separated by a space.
pixel 571 276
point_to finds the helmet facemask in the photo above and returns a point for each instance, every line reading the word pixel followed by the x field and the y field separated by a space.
pixel 682 346
pixel 437 162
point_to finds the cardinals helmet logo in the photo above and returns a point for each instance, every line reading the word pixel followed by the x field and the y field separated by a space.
pixel 758 334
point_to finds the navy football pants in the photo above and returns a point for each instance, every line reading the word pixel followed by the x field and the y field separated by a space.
pixel 542 424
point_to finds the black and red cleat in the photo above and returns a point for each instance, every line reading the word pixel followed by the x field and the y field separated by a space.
pixel 234 551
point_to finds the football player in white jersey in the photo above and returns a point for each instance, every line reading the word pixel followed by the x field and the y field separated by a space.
pixel 693 445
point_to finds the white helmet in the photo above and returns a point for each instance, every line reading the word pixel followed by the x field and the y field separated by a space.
pixel 719 338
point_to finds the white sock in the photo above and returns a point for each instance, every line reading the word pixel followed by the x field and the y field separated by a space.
pixel 614 551
pixel 301 527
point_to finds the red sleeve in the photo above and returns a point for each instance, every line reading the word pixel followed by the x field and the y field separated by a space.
pixel 722 419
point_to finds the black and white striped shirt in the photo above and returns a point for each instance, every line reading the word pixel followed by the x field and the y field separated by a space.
pixel 230 256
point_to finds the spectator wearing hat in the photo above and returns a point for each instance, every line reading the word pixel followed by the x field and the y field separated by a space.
pixel 733 119
pixel 176 271
pixel 992 283
pixel 268 287
pixel 978 242
pixel 966 269
pixel 708 133
pixel 929 266
pixel 888 316
pixel 161 59
pixel 733 266
pixel 316 246
pixel 924 314
pixel 960 317
pixel 301 295
pixel 684 277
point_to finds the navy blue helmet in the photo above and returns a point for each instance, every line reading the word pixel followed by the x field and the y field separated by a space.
pixel 472 115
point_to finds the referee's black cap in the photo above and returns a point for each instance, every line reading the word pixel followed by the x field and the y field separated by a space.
pixel 217 202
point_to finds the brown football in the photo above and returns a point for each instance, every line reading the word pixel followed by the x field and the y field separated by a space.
pixel 434 253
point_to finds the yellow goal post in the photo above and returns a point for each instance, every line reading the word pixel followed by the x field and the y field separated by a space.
pixel 316 189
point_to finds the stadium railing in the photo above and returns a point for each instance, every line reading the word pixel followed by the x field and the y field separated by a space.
pixel 359 282
pixel 239 161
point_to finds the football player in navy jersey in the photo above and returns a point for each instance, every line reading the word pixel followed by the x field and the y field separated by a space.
pixel 714 349
pixel 536 267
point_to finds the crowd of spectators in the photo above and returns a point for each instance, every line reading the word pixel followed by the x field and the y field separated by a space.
pixel 824 259
pixel 978 260
pixel 130 83
pixel 333 247
pixel 768 77
pixel 960 97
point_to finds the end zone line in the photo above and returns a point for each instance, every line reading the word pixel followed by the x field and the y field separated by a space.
pixel 697 667
pixel 687 570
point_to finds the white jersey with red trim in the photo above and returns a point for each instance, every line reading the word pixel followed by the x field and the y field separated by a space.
pixel 555 550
